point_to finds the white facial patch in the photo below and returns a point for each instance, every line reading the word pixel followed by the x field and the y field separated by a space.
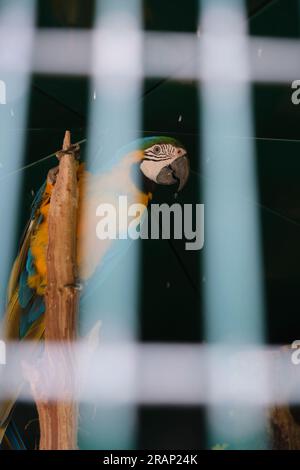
pixel 152 168
pixel 158 157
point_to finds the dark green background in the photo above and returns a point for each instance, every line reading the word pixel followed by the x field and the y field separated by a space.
pixel 173 274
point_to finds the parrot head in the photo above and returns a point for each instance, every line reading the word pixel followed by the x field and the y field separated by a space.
pixel 165 161
pixel 161 160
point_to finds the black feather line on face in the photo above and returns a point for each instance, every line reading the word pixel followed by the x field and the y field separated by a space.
pixel 141 181
pixel 157 159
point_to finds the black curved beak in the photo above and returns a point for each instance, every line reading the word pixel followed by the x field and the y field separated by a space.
pixel 177 172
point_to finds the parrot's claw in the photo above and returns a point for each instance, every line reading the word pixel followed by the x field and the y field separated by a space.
pixel 76 285
pixel 73 150
pixel 52 175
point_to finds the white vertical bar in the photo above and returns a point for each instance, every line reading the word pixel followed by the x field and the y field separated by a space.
pixel 114 119
pixel 16 38
pixel 233 289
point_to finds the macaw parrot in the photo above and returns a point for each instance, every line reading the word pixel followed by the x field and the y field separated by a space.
pixel 135 171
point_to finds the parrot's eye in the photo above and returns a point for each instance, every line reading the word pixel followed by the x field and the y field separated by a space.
pixel 156 149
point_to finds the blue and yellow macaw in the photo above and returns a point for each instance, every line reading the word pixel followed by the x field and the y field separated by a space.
pixel 134 172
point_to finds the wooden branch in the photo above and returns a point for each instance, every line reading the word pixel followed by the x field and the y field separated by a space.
pixel 284 420
pixel 58 420
pixel 62 295
pixel 285 429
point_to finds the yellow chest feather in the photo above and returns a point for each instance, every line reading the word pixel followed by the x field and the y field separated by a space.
pixel 90 250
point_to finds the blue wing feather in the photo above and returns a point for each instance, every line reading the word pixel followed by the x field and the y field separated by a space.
pixel 33 305
pixel 14 438
pixel 25 293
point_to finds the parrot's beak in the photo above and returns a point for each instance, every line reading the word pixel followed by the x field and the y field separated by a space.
pixel 176 172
